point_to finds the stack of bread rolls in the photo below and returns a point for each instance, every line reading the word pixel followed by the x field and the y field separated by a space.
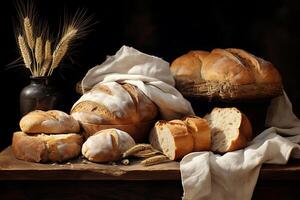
pixel 115 105
pixel 47 136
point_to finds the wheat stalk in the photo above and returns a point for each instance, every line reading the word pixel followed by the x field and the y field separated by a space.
pixel 135 149
pixel 47 58
pixel 39 54
pixel 24 52
pixel 62 48
pixel 155 160
pixel 29 33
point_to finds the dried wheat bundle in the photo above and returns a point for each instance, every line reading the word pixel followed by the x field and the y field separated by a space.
pixel 36 46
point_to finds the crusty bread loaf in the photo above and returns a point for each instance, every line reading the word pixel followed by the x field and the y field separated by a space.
pixel 113 104
pixel 107 145
pixel 230 128
pixel 172 138
pixel 189 65
pixel 52 121
pixel 200 131
pixel 44 148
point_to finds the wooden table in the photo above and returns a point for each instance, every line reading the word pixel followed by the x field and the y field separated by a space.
pixel 80 179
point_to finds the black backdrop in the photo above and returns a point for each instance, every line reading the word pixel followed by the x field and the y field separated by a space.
pixel 167 29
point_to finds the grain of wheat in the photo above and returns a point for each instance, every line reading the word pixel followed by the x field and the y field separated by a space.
pixel 24 52
pixel 48 58
pixel 135 149
pixel 155 160
pixel 62 47
pixel 29 33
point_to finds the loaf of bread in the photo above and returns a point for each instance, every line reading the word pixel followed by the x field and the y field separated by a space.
pixel 200 131
pixel 107 145
pixel 44 148
pixel 172 138
pixel 115 105
pixel 52 121
pixel 234 66
pixel 230 128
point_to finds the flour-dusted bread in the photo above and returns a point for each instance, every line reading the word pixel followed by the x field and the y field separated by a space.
pixel 172 138
pixel 107 145
pixel 115 105
pixel 52 121
pixel 230 128
pixel 200 131
pixel 44 148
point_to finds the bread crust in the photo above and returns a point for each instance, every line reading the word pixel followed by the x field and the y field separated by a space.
pixel 200 131
pixel 183 140
pixel 45 148
pixel 189 65
pixel 52 121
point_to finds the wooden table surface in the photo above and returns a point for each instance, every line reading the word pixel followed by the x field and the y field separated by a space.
pixel 160 181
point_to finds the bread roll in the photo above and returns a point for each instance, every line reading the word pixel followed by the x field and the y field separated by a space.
pixel 172 138
pixel 107 145
pixel 200 131
pixel 189 65
pixel 52 121
pixel 110 104
pixel 44 148
pixel 231 130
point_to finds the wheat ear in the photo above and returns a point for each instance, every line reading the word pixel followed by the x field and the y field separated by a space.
pixel 48 58
pixel 25 52
pixel 29 33
pixel 62 48
pixel 155 160
pixel 135 149
pixel 39 54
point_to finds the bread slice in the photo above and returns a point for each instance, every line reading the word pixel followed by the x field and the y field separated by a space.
pixel 172 138
pixel 44 148
pixel 200 131
pixel 230 128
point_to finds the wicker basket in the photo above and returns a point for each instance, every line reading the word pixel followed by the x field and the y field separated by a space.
pixel 252 99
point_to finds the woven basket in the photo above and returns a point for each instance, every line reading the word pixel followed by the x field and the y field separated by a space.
pixel 252 99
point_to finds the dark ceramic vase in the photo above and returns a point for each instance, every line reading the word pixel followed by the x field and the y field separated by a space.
pixel 40 94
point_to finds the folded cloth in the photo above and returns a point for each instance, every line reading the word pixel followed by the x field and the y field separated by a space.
pixel 149 73
pixel 234 175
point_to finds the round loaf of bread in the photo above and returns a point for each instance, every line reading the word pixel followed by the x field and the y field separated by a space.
pixel 230 128
pixel 52 121
pixel 109 105
pixel 44 148
pixel 200 131
pixel 189 65
pixel 107 145
pixel 172 138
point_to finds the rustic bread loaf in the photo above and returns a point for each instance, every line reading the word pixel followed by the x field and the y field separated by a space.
pixel 112 104
pixel 189 65
pixel 231 130
pixel 200 131
pixel 107 145
pixel 52 121
pixel 172 138
pixel 44 148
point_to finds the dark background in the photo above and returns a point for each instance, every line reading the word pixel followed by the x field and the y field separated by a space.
pixel 167 29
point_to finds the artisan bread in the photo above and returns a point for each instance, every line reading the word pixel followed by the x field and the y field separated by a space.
pixel 230 128
pixel 189 65
pixel 44 148
pixel 200 131
pixel 172 138
pixel 52 121
pixel 107 145
pixel 112 104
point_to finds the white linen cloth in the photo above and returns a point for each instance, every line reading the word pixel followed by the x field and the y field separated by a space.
pixel 234 175
pixel 149 73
